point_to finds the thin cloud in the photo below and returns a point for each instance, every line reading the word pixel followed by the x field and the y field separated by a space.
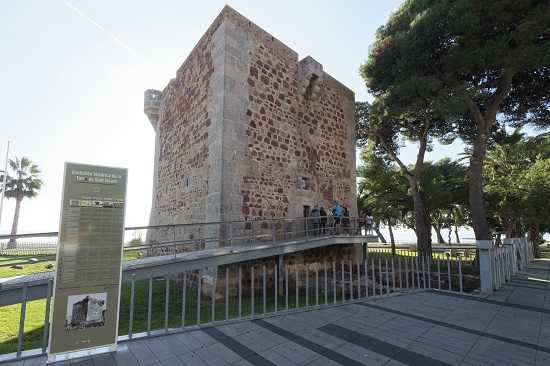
pixel 117 40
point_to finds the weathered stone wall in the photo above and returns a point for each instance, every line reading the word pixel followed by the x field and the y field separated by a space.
pixel 292 140
pixel 247 131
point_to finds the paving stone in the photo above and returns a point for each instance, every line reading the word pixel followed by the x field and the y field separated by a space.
pixel 105 359
pixel 142 353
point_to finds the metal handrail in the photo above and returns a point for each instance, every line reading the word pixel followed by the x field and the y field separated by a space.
pixel 132 228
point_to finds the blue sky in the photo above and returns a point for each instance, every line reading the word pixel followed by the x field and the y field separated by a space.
pixel 73 75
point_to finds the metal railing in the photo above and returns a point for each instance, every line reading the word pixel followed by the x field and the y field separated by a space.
pixel 450 267
pixel 507 259
pixel 236 291
pixel 172 239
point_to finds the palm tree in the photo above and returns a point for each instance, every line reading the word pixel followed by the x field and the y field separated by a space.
pixel 22 182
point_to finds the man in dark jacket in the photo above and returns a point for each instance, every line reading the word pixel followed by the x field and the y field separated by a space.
pixel 323 221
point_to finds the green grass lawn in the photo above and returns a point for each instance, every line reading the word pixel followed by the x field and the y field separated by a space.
pixel 34 325
pixel 28 268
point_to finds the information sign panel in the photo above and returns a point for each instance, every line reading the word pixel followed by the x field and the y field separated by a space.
pixel 89 256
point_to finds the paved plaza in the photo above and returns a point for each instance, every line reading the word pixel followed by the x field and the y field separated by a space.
pixel 510 327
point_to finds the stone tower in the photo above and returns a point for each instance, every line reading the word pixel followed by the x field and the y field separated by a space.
pixel 246 130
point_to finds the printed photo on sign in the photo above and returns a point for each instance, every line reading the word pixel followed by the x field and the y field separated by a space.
pixel 86 311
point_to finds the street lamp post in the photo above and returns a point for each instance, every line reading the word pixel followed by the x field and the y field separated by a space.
pixel 3 193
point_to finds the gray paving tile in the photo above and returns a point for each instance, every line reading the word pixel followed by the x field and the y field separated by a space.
pixel 123 356
pixel 191 358
pixel 33 361
pixel 105 359
pixel 172 361
pixel 142 353
pixel 492 352
pixel 383 348
pixel 362 355
pixel 335 356
pixel 85 361
pixel 160 348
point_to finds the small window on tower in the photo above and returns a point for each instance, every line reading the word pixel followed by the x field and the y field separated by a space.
pixel 304 183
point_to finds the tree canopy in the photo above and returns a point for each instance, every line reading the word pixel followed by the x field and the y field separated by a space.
pixel 458 64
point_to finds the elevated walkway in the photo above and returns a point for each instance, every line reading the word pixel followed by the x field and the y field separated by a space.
pixel 11 288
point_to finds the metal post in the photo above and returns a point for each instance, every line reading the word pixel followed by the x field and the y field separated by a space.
pixel 240 279
pixel 373 277
pixel 343 282
pixel 316 284
pixel 428 264
pixel 406 272
pixel 307 285
pixel 358 266
pixel 183 299
pixel 380 280
pixel 166 303
pixel 351 279
pixel 231 235
pixel 423 258
pixel 449 271
pixel 199 293
pixel 393 274
pixel 276 285
pixel 22 316
pixel 213 300
pixel 438 275
pixel 252 290
pixel 47 317
pixel 264 293
pixel 286 288
pixel 326 284
pixel 226 292
pixel 387 277
pixel 417 269
pixel 297 288
pixel 131 316
pixel 150 304
pixel 334 281
pixel 400 274
pixel 460 272
pixel 366 277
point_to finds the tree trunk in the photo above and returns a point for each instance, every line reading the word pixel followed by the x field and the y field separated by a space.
pixel 535 238
pixel 450 235
pixel 378 233
pixel 485 119
pixel 456 235
pixel 423 227
pixel 392 240
pixel 475 190
pixel 12 242
pixel 437 230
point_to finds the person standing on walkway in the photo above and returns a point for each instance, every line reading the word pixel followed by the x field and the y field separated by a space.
pixel 337 214
pixel 315 216
pixel 323 220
